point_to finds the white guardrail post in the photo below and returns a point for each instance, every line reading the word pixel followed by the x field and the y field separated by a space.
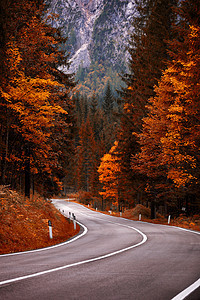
pixel 169 219
pixel 50 229
pixel 74 220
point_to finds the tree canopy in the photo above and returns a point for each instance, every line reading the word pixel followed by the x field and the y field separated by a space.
pixel 34 98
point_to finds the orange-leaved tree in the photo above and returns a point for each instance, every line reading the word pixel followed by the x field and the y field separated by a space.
pixel 152 27
pixel 170 138
pixel 109 176
pixel 31 116
pixel 35 99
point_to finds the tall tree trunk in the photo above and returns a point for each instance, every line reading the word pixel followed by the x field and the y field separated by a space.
pixel 153 209
pixel 27 173
pixel 3 168
pixel 33 187
pixel 4 156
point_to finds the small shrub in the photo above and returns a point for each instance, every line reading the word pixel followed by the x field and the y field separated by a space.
pixel 84 197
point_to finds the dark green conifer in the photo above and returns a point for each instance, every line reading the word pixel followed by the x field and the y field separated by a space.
pixel 108 100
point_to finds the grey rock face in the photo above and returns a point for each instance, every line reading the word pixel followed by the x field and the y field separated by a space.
pixel 96 29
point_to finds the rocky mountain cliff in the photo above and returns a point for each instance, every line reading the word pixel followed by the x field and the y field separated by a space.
pixel 97 30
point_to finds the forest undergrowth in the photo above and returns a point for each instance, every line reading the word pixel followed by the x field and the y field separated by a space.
pixel 183 221
pixel 24 223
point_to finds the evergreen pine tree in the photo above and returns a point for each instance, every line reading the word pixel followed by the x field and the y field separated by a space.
pixel 108 100
pixel 94 104
pixel 87 176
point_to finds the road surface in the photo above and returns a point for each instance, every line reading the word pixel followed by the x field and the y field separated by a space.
pixel 112 258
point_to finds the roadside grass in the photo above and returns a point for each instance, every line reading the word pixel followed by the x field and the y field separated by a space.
pixel 24 223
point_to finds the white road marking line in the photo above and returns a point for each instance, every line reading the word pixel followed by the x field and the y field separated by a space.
pixel 192 287
pixel 180 296
pixel 51 247
pixel 187 291
pixel 140 232
pixel 185 229
pixel 144 239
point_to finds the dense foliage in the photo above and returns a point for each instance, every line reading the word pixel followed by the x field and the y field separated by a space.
pixel 169 139
pixel 36 110
pixel 138 146
pixel 155 159
pixel 95 78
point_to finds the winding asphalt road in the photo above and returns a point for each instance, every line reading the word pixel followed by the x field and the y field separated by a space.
pixel 112 258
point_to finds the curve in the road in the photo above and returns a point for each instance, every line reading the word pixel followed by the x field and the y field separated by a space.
pixel 144 239
pixel 85 260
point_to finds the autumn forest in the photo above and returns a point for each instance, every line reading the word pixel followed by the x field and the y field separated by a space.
pixel 137 142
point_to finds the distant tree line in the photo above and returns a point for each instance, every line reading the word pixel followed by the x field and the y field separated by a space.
pixel 95 78
pixel 96 132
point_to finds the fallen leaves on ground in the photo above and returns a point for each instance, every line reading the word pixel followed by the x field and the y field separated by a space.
pixel 24 223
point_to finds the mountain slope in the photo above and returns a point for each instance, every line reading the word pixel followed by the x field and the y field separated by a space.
pixel 97 30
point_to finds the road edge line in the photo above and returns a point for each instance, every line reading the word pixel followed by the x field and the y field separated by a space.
pixel 77 236
pixel 144 239
pixel 182 295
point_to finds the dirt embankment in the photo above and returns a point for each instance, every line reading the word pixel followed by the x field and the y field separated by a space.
pixel 24 223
